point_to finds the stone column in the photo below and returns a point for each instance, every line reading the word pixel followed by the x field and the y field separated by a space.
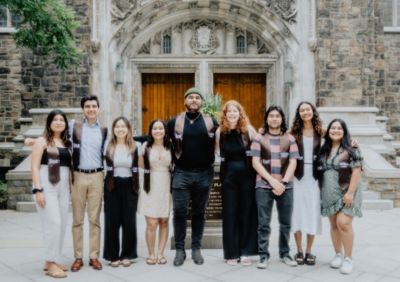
pixel 186 37
pixel 176 40
pixel 230 40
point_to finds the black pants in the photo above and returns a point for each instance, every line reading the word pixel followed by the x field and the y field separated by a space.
pixel 284 204
pixel 120 211
pixel 190 186
pixel 239 211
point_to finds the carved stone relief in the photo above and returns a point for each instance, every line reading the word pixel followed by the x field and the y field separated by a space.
pixel 204 40
pixel 204 37
pixel 121 9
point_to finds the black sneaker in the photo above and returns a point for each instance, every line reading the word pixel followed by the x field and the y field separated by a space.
pixel 180 257
pixel 197 257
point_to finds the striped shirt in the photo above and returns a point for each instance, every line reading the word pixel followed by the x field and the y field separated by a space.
pixel 274 141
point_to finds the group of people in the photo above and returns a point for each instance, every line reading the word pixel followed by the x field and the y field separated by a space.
pixel 308 172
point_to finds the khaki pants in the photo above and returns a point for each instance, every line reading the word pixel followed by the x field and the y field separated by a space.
pixel 87 188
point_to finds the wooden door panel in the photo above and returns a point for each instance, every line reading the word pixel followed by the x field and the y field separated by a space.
pixel 247 89
pixel 162 95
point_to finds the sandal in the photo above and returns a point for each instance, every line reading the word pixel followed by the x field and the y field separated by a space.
pixel 299 258
pixel 62 267
pixel 310 259
pixel 56 272
pixel 151 261
pixel 162 260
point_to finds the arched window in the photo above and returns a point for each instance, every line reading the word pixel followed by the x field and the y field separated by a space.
pixel 167 44
pixel 240 45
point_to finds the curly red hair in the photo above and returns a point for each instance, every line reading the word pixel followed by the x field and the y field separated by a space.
pixel 243 122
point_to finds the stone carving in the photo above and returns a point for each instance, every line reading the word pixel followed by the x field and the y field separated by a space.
pixel 204 40
pixel 145 49
pixel 286 9
pixel 121 9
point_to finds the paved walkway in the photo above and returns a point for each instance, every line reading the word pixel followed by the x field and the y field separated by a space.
pixel 376 256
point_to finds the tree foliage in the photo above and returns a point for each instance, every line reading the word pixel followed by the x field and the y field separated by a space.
pixel 47 26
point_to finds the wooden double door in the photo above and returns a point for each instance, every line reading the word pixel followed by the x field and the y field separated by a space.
pixel 162 94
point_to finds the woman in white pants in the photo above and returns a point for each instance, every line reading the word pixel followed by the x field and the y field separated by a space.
pixel 51 161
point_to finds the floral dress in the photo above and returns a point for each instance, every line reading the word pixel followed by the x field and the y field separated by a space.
pixel 332 194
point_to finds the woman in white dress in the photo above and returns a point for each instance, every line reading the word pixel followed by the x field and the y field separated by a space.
pixel 306 218
pixel 155 197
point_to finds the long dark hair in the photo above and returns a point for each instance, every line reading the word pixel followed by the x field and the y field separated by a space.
pixel 150 142
pixel 49 134
pixel 265 128
pixel 345 143
pixel 166 142
pixel 298 125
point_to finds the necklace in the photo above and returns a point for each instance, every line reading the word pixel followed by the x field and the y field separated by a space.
pixel 192 120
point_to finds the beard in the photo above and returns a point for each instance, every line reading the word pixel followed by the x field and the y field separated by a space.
pixel 188 109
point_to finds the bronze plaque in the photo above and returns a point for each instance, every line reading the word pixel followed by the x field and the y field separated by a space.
pixel 214 208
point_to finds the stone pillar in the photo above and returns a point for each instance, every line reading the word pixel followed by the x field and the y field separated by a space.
pixel 219 33
pixel 186 37
pixel 230 40
pixel 176 40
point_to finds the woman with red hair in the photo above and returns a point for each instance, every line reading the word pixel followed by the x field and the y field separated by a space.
pixel 233 140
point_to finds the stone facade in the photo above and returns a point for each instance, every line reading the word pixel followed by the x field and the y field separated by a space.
pixel 357 63
pixel 337 48
pixel 43 84
pixel 10 88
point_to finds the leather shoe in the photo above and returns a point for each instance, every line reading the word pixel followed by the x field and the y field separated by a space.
pixel 197 257
pixel 77 265
pixel 180 257
pixel 95 264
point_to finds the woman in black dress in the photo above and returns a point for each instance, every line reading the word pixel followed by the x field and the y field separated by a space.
pixel 233 139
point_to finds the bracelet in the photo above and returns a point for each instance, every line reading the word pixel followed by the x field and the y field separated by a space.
pixel 35 190
pixel 285 183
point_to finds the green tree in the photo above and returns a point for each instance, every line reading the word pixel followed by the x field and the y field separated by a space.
pixel 46 26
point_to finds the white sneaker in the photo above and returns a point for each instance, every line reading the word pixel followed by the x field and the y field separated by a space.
pixel 263 263
pixel 245 261
pixel 347 266
pixel 289 261
pixel 337 260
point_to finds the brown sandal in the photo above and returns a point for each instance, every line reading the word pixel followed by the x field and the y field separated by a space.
pixel 162 260
pixel 151 261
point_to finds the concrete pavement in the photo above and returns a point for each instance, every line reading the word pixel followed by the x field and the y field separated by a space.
pixel 376 256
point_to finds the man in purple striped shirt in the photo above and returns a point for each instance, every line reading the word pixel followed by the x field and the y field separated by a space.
pixel 275 155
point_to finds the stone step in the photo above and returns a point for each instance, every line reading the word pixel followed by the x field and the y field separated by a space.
pixel 377 204
pixel 26 206
pixel 370 195
pixel 30 206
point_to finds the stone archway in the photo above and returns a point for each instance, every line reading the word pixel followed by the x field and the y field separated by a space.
pixel 135 43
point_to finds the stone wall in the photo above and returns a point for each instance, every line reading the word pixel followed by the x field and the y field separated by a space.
pixel 345 59
pixel 48 86
pixel 356 63
pixel 10 88
pixel 389 103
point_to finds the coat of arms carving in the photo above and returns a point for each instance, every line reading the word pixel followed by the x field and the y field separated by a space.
pixel 204 41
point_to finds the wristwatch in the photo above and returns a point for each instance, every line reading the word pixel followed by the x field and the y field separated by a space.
pixel 285 183
pixel 35 190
